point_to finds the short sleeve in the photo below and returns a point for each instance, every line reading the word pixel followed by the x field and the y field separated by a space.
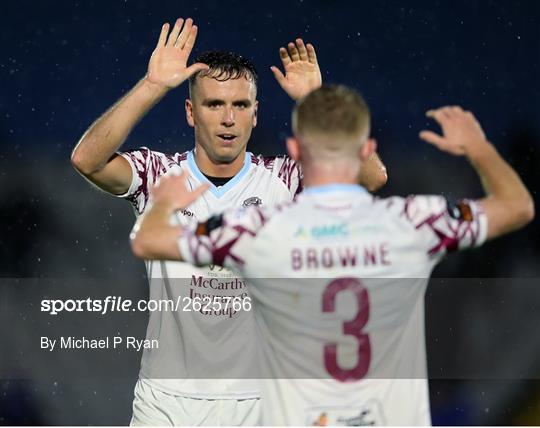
pixel 290 173
pixel 146 167
pixel 223 240
pixel 443 227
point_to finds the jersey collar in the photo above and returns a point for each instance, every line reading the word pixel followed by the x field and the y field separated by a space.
pixel 218 192
pixel 336 187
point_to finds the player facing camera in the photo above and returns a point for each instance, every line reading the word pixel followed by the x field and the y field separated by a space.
pixel 222 108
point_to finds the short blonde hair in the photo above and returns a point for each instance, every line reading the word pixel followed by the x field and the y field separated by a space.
pixel 334 118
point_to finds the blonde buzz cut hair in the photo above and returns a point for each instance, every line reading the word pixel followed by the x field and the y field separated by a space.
pixel 332 119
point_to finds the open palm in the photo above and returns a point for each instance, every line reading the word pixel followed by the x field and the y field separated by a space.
pixel 302 73
pixel 461 131
pixel 168 64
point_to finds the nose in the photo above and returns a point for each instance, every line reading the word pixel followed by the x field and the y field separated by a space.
pixel 228 117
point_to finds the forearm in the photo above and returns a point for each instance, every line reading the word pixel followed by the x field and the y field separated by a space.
pixel 153 237
pixel 498 178
pixel 505 192
pixel 108 133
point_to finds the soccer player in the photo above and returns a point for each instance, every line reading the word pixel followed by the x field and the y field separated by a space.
pixel 345 347
pixel 203 370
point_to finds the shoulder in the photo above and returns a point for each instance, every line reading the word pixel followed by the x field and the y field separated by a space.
pixel 273 163
pixel 412 208
pixel 284 168
pixel 157 161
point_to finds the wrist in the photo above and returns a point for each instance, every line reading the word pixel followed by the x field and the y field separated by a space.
pixel 165 207
pixel 480 151
pixel 154 88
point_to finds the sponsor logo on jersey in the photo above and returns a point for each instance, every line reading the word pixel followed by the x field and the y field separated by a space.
pixel 187 213
pixel 323 231
pixel 301 233
pixel 254 200
pixel 368 414
pixel 361 419
pixel 321 421
pixel 332 231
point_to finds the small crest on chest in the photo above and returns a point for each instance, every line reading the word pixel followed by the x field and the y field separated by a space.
pixel 254 200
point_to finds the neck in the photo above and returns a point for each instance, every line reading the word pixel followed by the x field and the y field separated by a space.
pixel 217 169
pixel 321 174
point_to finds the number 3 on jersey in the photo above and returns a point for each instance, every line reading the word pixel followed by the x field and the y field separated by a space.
pixel 353 327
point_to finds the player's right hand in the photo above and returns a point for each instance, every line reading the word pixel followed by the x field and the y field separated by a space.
pixel 462 134
pixel 168 64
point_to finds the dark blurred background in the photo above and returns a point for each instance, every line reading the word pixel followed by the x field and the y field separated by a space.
pixel 63 63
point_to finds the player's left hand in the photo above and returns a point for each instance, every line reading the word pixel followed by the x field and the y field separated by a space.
pixel 173 192
pixel 461 132
pixel 302 73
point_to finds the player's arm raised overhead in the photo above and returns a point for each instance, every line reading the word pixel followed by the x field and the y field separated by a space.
pixel 508 204
pixel 95 155
pixel 302 72
pixel 303 75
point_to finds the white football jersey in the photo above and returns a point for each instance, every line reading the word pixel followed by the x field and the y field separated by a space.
pixel 205 352
pixel 338 280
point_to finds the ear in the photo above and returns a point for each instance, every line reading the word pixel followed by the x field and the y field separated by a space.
pixel 255 111
pixel 367 149
pixel 293 147
pixel 189 113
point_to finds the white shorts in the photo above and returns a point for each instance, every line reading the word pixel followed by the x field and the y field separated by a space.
pixel 154 407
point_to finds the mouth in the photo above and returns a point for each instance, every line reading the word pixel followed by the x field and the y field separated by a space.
pixel 227 138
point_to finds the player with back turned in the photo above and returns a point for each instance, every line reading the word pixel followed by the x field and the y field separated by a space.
pixel 346 346
pixel 202 372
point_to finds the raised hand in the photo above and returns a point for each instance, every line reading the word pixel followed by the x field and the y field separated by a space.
pixel 302 73
pixel 168 64
pixel 172 191
pixel 462 134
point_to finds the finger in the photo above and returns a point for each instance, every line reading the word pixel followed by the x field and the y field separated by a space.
pixel 438 115
pixel 194 68
pixel 198 191
pixel 163 35
pixel 190 42
pixel 278 75
pixel 152 189
pixel 285 58
pixel 432 138
pixel 433 111
pixel 183 178
pixel 312 56
pixel 453 112
pixel 293 52
pixel 170 179
pixel 471 116
pixel 174 32
pixel 186 31
pixel 374 142
pixel 302 49
pixel 447 112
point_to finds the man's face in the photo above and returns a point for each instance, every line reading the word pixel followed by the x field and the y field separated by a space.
pixel 223 115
